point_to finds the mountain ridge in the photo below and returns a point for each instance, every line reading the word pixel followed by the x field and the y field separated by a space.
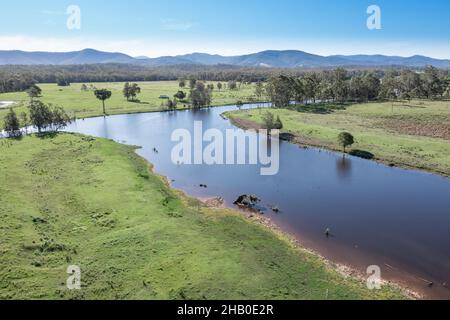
pixel 267 59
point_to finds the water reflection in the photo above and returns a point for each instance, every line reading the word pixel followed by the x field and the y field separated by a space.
pixel 344 167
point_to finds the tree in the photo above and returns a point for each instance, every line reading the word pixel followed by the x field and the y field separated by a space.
pixel 358 89
pixel 345 140
pixel 232 85
pixel 298 89
pixel 340 85
pixel 33 92
pixel 24 118
pixel 372 84
pixel 279 90
pixel 134 91
pixel 131 91
pixel 171 104
pixel 278 124
pixel 84 87
pixel 62 82
pixel 60 119
pixel 433 84
pixel 200 96
pixel 103 95
pixel 126 91
pixel 41 116
pixel 219 86
pixel 390 88
pixel 182 83
pixel 12 124
pixel 269 122
pixel 180 95
pixel 311 86
pixel 259 90
pixel 192 83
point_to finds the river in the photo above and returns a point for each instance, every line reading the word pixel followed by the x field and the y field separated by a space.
pixel 396 219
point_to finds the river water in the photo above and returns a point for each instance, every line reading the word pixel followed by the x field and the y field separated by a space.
pixel 396 219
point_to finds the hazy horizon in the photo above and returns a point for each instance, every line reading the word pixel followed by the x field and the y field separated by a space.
pixel 157 28
pixel 247 53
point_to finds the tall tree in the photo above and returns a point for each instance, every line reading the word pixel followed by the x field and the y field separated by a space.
pixel 410 85
pixel 33 92
pixel 200 95
pixel 192 83
pixel 359 89
pixel 12 124
pixel 103 95
pixel 270 123
pixel 345 140
pixel 134 91
pixel 390 87
pixel 372 84
pixel 339 85
pixel 232 85
pixel 41 116
pixel 279 90
pixel 259 90
pixel 434 86
pixel 311 86
pixel 126 91
pixel 60 119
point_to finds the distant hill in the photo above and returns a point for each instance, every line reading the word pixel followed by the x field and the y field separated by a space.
pixel 87 56
pixel 266 59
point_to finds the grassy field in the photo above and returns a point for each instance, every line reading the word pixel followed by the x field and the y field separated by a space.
pixel 75 200
pixel 412 134
pixel 84 104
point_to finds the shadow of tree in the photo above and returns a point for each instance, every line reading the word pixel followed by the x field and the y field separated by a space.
pixel 47 135
pixel 138 102
pixel 362 154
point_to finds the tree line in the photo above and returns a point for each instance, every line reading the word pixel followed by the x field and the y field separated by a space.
pixel 339 85
pixel 20 78
pixel 40 115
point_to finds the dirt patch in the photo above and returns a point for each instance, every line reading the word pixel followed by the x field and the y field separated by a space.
pixel 416 128
pixel 245 124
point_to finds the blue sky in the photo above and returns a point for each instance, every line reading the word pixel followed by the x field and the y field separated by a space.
pixel 169 27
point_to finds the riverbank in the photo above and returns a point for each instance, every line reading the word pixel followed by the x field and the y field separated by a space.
pixel 76 200
pixel 413 135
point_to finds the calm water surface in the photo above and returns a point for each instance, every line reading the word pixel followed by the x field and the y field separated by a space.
pixel 396 219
